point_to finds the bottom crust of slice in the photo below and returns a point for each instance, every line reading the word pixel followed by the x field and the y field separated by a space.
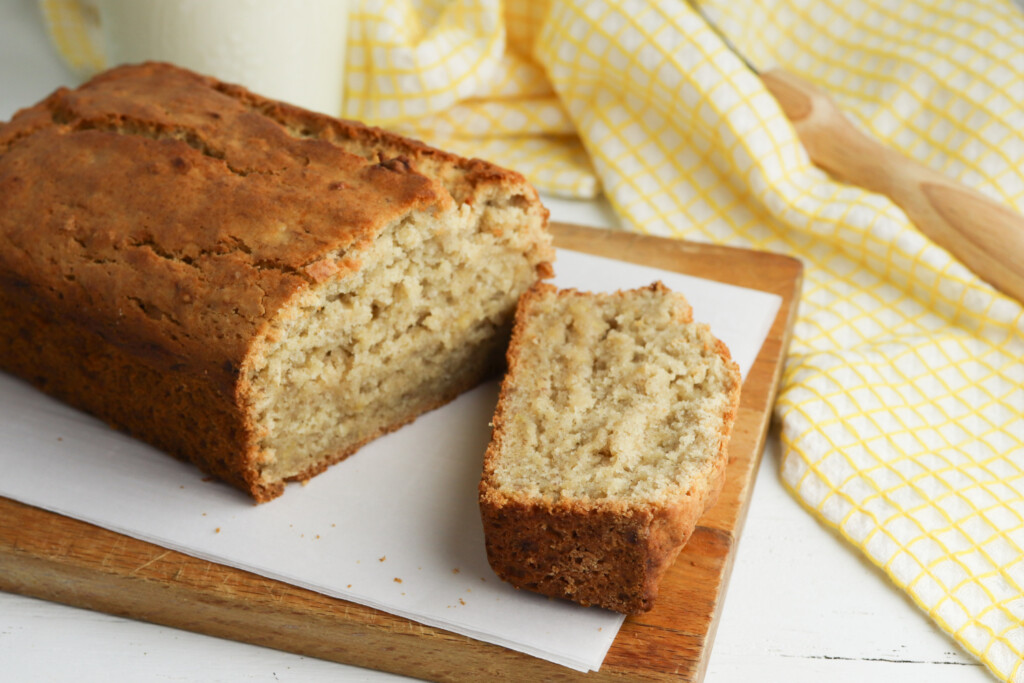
pixel 603 554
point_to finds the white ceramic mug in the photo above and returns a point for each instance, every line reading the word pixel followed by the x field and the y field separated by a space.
pixel 291 50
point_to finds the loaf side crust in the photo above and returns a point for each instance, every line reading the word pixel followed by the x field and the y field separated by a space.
pixel 610 553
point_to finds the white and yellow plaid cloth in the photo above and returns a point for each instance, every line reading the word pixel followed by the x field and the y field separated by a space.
pixel 902 409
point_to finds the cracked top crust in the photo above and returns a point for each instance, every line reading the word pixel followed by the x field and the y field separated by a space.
pixel 174 214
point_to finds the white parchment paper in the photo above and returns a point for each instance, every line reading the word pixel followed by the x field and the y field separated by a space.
pixel 396 526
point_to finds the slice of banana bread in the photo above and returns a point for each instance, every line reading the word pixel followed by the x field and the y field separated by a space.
pixel 253 287
pixel 609 442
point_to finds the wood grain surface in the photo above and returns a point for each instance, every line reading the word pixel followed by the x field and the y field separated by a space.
pixel 56 558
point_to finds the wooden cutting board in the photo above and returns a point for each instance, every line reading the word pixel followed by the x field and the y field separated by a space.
pixel 56 558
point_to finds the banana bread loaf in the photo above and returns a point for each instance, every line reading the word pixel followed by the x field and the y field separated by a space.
pixel 610 441
pixel 247 285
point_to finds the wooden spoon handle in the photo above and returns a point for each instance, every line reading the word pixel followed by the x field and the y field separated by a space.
pixel 985 235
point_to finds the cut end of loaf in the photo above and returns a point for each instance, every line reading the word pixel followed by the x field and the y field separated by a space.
pixel 425 317
pixel 610 441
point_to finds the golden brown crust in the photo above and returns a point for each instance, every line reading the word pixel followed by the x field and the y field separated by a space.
pixel 159 219
pixel 130 240
pixel 610 552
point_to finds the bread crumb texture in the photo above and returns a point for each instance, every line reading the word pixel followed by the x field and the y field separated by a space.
pixel 614 397
pixel 430 306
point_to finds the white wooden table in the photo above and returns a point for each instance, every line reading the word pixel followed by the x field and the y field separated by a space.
pixel 801 605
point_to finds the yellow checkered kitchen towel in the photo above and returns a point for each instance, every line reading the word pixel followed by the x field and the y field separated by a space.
pixel 902 409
